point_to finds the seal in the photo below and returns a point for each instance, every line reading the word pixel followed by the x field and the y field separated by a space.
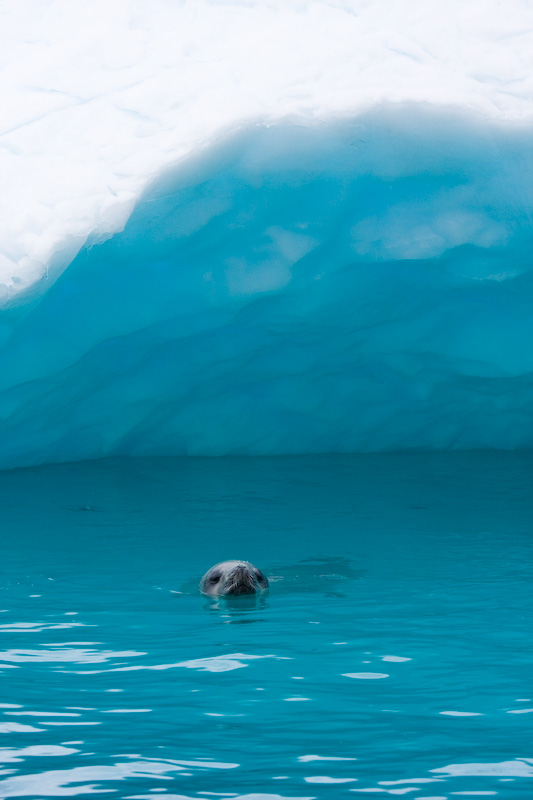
pixel 233 578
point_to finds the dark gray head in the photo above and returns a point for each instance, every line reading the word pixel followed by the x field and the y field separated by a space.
pixel 233 578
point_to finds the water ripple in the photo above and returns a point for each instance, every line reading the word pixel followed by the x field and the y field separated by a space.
pixel 58 783
pixel 62 655
pixel 521 767
pixel 223 663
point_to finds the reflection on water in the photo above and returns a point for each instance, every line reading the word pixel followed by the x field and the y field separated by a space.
pixel 238 608
pixel 390 657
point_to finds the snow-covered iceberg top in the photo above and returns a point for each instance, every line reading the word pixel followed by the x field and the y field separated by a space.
pixel 98 98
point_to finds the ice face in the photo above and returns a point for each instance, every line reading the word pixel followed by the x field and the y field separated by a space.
pixel 358 286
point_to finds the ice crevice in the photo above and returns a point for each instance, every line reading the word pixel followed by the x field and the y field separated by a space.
pixel 363 284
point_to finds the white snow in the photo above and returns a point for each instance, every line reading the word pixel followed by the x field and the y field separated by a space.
pixel 97 98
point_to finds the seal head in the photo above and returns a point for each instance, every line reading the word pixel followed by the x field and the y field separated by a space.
pixel 233 578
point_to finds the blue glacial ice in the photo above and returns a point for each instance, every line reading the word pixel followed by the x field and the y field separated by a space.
pixel 363 285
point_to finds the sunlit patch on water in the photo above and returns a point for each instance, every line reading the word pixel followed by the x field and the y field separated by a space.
pixel 394 640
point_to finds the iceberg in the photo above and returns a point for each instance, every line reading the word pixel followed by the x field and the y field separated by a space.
pixel 358 286
pixel 321 270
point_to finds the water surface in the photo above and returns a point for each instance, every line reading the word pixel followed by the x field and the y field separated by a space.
pixel 392 655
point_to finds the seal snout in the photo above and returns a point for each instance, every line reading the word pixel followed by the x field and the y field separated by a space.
pixel 233 578
pixel 240 581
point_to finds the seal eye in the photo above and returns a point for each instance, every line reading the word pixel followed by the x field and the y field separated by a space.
pixel 214 578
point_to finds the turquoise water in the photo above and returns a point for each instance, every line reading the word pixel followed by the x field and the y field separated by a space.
pixel 391 657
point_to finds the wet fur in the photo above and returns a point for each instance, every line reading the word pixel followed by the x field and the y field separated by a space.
pixel 233 578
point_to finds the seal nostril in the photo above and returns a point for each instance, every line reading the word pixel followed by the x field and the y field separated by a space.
pixel 240 571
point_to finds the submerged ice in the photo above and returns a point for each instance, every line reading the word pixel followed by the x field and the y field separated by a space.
pixel 358 286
